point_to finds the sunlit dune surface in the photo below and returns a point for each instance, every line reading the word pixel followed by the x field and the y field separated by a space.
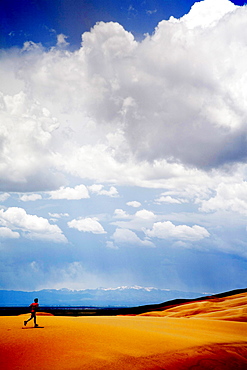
pixel 128 342
pixel 232 308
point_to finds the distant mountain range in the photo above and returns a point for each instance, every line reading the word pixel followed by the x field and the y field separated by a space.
pixel 100 297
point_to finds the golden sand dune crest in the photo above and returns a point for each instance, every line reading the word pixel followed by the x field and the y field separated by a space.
pixel 233 308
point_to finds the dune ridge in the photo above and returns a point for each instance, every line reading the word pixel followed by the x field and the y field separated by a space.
pixel 142 342
pixel 232 308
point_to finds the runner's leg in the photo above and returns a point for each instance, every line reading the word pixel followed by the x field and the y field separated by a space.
pixel 32 316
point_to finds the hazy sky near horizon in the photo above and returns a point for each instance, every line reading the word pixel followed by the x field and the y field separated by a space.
pixel 123 128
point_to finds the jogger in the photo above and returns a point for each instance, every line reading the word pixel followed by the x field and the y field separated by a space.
pixel 34 307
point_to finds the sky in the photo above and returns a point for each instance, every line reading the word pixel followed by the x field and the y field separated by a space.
pixel 123 128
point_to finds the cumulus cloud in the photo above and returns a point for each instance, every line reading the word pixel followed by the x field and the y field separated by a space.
pixel 61 40
pixel 134 204
pixel 187 78
pixel 206 14
pixel 192 104
pixel 228 197
pixel 79 192
pixel 4 197
pixel 140 220
pixel 111 245
pixel 120 213
pixel 25 136
pixel 146 221
pixel 88 224
pixel 30 226
pixel 7 233
pixel 169 199
pixel 166 230
pixel 145 214
pixel 126 236
pixel 99 190
pixel 58 215
pixel 30 197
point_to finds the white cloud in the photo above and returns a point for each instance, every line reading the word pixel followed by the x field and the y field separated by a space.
pixel 111 245
pixel 134 204
pixel 145 215
pixel 30 226
pixel 58 215
pixel 10 83
pixel 120 213
pixel 229 197
pixel 79 192
pixel 144 220
pixel 206 13
pixel 32 46
pixel 128 237
pixel 61 40
pixel 140 220
pixel 7 233
pixel 30 197
pixel 166 230
pixel 88 224
pixel 98 189
pixel 169 199
pixel 150 12
pixel 26 134
pixel 4 197
pixel 189 81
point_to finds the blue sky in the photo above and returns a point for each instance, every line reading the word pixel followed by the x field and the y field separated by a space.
pixel 123 144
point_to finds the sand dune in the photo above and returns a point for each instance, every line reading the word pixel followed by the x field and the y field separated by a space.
pixel 232 308
pixel 129 342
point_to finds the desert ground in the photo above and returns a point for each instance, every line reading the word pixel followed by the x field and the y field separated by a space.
pixel 210 334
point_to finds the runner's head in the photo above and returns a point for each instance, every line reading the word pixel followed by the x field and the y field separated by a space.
pixel 36 300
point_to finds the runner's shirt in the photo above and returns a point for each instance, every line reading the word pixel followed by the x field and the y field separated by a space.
pixel 34 307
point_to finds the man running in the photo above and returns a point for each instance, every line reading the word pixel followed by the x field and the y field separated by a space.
pixel 34 307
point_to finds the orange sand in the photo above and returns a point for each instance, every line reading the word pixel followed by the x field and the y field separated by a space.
pixel 124 342
pixel 232 308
